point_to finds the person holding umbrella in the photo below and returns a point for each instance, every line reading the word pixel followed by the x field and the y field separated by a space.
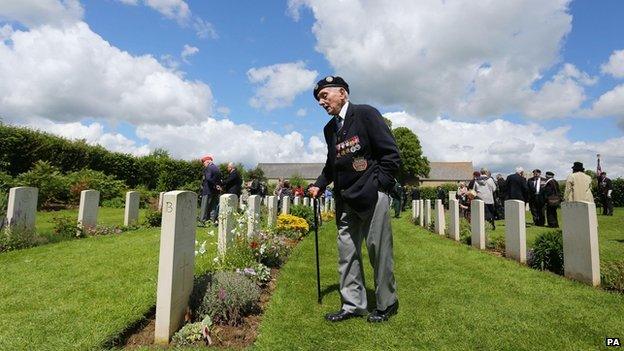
pixel 362 161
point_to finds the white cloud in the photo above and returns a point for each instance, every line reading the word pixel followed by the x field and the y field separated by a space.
pixel 502 145
pixel 224 110
pixel 615 66
pixel 562 96
pixel 70 73
pixel 610 103
pixel 188 51
pixel 232 142
pixel 279 84
pixel 301 112
pixel 443 57
pixel 179 11
pixel 5 32
pixel 39 12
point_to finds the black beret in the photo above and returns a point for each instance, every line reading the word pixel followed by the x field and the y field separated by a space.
pixel 330 81
pixel 549 173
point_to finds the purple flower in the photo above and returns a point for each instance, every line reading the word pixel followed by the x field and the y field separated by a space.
pixel 222 294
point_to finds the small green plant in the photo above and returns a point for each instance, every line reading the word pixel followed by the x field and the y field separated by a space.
pixel 115 202
pixel 612 275
pixel 270 250
pixel 67 227
pixel 548 252
pixel 15 238
pixel 153 218
pixel 259 273
pixel 239 255
pixel 193 333
pixel 496 243
pixel 3 208
pixel 229 298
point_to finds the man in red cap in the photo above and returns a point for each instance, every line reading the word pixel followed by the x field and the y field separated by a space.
pixel 362 161
pixel 211 185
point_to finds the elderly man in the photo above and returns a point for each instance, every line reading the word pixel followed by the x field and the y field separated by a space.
pixel 578 185
pixel 211 185
pixel 536 198
pixel 605 188
pixel 232 183
pixel 517 188
pixel 362 160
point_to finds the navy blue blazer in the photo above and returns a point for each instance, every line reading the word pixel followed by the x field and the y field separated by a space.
pixel 362 158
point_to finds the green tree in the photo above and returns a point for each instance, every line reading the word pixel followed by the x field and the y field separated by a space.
pixel 414 164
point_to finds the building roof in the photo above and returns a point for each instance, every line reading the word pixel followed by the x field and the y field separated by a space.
pixel 455 171
pixel 440 171
pixel 287 170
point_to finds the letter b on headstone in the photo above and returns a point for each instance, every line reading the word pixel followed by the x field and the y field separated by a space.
pixel 176 263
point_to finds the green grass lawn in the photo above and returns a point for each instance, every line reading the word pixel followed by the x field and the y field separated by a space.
pixel 451 297
pixel 81 294
pixel 106 216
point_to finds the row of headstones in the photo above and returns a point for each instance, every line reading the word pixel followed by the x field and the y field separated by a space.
pixel 22 208
pixel 177 247
pixel 580 232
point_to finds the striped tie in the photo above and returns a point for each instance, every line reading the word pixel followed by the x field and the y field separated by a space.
pixel 339 121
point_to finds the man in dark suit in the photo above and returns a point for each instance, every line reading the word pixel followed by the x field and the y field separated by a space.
pixel 232 183
pixel 517 188
pixel 211 185
pixel 362 160
pixel 536 200
pixel 605 188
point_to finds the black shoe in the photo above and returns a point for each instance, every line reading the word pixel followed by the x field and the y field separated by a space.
pixel 380 316
pixel 340 316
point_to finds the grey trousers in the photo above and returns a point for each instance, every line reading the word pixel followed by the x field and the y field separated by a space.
pixel 208 209
pixel 373 227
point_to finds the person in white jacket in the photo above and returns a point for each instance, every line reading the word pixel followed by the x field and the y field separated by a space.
pixel 485 187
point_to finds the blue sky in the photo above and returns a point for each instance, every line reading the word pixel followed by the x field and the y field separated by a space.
pixel 529 83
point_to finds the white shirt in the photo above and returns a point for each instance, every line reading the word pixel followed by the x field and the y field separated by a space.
pixel 343 111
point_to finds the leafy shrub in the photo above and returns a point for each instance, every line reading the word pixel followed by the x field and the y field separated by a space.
pixel 116 202
pixel 3 207
pixel 229 298
pixel 270 250
pixel 612 275
pixel 291 226
pixel 108 186
pixel 104 230
pixel 6 182
pixel 305 212
pixel 67 227
pixel 430 192
pixel 239 255
pixel 53 186
pixel 193 333
pixel 548 252
pixel 153 218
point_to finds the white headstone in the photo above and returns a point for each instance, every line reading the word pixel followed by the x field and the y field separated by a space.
pixel 452 195
pixel 297 201
pixel 477 223
pixel 22 208
pixel 440 221
pixel 326 206
pixel 306 201
pixel 515 230
pixel 253 215
pixel 285 205
pixel 88 211
pixel 454 219
pixel 427 213
pixel 580 242
pixel 176 263
pixel 228 204
pixel 421 212
pixel 414 210
pixel 272 211
pixel 160 201
pixel 131 214
pixel 332 205
pixel 241 203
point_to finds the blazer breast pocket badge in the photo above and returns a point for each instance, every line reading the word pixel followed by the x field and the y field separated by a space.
pixel 360 164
